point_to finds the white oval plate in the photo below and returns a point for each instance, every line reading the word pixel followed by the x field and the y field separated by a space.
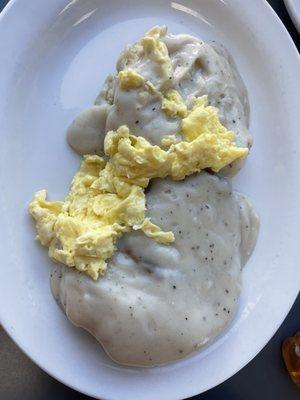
pixel 54 58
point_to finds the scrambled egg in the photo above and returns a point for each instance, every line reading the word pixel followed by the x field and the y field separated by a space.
pixel 168 140
pixel 155 49
pixel 173 104
pixel 151 48
pixel 201 120
pixel 136 160
pixel 107 196
pixel 81 231
pixel 130 79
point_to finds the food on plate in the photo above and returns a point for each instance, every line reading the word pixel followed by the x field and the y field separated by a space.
pixel 158 303
pixel 156 75
pixel 107 197
pixel 148 218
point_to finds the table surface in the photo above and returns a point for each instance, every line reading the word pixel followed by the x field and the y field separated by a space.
pixel 264 377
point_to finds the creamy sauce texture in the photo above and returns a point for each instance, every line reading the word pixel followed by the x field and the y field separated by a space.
pixel 159 303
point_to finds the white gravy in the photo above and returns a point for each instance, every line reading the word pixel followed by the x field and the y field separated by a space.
pixel 159 303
